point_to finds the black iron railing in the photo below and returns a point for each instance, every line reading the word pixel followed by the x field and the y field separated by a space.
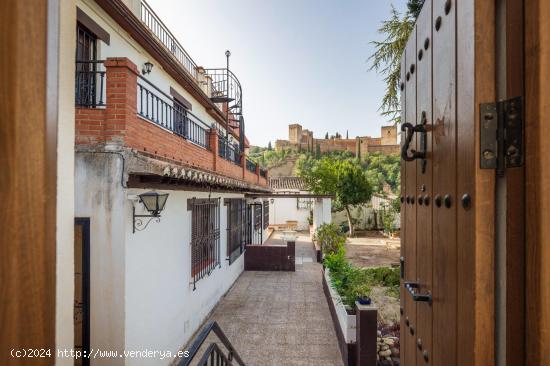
pixel 226 88
pixel 266 215
pixel 228 151
pixel 213 355
pixel 250 166
pixel 89 84
pixel 161 32
pixel 254 232
pixel 205 237
pixel 263 173
pixel 236 219
pixel 158 107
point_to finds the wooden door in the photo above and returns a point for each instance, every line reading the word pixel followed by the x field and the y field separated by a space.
pixel 28 164
pixel 463 226
pixel 438 241
pixel 82 289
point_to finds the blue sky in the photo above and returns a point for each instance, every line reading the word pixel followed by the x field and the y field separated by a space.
pixel 299 61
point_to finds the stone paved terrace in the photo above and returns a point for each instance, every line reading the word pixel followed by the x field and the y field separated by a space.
pixel 281 318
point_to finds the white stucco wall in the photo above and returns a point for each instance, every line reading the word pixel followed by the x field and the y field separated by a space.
pixel 140 289
pixel 283 209
pixel 322 212
pixel 99 195
pixel 64 332
pixel 162 310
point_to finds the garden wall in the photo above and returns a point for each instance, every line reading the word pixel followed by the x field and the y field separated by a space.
pixel 357 334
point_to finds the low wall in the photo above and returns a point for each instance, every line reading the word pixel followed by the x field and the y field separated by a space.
pixel 270 258
pixel 357 334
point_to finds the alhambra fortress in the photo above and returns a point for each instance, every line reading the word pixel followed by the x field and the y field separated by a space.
pixel 300 139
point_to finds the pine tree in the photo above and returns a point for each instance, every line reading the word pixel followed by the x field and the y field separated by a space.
pixel 347 135
pixel 414 7
pixel 326 136
pixel 269 147
pixel 386 60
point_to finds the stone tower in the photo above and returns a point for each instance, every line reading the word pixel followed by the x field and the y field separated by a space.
pixel 389 135
pixel 294 133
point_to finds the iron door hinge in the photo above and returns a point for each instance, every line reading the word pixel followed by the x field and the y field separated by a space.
pixel 501 135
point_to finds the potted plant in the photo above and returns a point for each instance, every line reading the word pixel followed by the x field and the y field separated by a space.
pixel 362 293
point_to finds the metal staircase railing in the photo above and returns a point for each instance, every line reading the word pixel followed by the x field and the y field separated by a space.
pixel 213 355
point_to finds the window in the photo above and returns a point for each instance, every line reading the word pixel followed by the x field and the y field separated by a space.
pixel 304 203
pixel 253 224
pixel 236 227
pixel 180 114
pixel 257 216
pixel 266 214
pixel 89 80
pixel 205 237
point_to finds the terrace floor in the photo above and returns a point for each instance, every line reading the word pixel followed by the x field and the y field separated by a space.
pixel 281 318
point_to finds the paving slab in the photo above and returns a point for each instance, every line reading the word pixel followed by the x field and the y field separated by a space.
pixel 281 318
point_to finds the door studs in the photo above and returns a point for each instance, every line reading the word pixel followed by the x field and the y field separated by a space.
pixel 425 355
pixel 466 200
pixel 437 200
pixel 447 200
pixel 427 200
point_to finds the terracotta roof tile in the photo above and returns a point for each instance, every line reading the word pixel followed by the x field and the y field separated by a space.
pixel 287 183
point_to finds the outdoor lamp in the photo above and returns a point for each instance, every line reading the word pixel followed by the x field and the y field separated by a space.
pixel 227 53
pixel 147 67
pixel 154 202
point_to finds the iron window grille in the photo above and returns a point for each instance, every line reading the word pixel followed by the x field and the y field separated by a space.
pixel 205 237
pixel 89 72
pixel 254 233
pixel 236 227
pixel 304 203
pixel 266 214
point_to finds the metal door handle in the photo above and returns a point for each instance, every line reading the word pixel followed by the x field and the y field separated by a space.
pixel 412 288
pixel 410 130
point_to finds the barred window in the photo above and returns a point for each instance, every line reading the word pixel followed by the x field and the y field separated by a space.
pixel 266 214
pixel 236 227
pixel 304 203
pixel 205 237
pixel 257 216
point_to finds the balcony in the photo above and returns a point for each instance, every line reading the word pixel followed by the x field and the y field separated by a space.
pixel 133 114
pixel 90 84
pixel 220 85
pixel 161 109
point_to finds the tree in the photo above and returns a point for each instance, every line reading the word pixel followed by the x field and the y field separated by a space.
pixel 318 151
pixel 382 169
pixel 269 147
pixel 386 59
pixel 347 135
pixel 414 7
pixel 344 178
pixel 326 136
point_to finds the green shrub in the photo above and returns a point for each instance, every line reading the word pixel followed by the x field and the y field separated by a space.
pixel 351 282
pixel 330 238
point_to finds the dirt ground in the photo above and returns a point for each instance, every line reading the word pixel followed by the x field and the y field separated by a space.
pixel 372 249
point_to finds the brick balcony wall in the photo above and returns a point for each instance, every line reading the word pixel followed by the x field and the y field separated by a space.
pixel 119 125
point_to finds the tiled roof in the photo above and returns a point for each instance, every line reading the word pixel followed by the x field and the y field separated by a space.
pixel 287 183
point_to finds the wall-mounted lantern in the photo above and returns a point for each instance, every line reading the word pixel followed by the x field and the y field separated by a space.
pixel 147 67
pixel 154 202
pixel 272 200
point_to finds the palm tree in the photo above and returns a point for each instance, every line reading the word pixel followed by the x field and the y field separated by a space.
pixel 386 60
